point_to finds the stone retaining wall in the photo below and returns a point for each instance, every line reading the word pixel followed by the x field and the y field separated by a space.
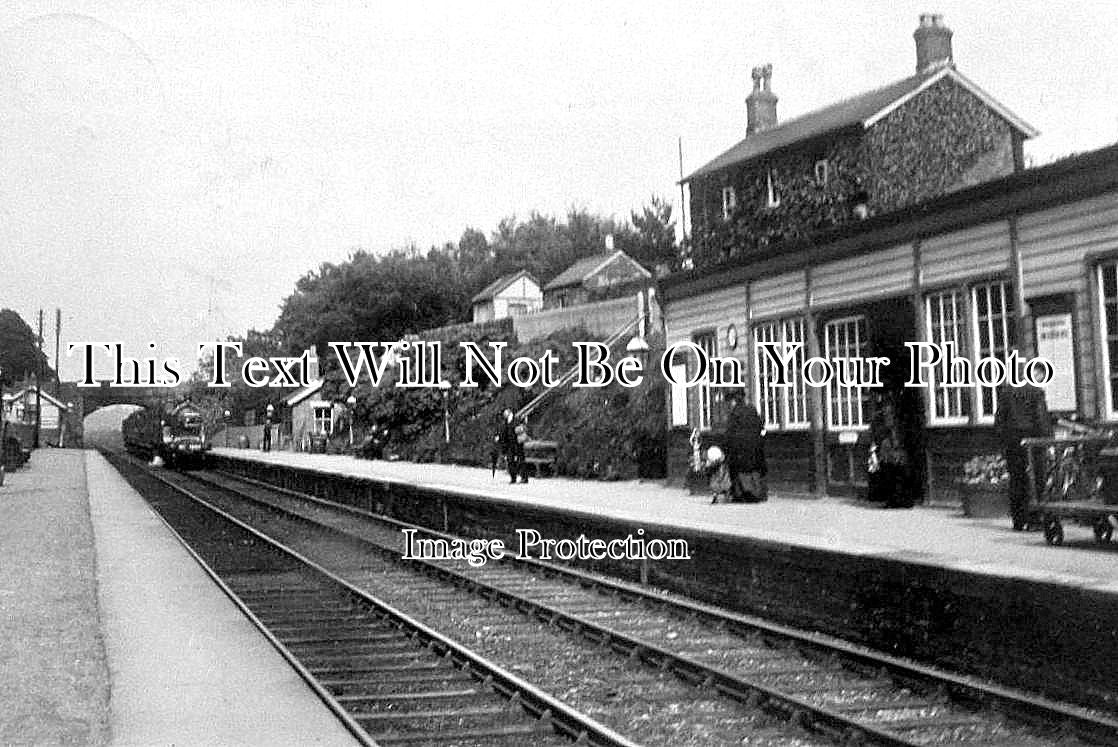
pixel 1055 639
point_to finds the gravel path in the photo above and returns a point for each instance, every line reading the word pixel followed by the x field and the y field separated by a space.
pixel 55 684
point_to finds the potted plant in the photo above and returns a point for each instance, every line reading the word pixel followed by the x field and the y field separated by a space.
pixel 985 487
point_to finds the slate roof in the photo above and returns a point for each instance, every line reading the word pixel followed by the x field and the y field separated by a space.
pixel 861 111
pixel 587 266
pixel 301 394
pixel 498 285
pixel 13 396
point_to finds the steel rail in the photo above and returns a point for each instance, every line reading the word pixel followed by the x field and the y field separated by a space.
pixel 1033 709
pixel 323 694
pixel 540 704
pixel 746 690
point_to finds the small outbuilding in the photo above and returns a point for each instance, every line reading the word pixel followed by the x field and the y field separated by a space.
pixel 515 294
pixel 19 408
pixel 311 415
pixel 596 278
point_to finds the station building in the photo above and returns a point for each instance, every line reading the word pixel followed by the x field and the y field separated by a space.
pixel 851 251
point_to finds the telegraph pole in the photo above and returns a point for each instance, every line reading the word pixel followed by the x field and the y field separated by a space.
pixel 682 198
pixel 3 433
pixel 57 345
pixel 39 384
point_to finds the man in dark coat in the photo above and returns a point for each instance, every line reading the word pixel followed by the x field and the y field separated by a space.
pixel 1022 413
pixel 513 447
pixel 892 483
pixel 745 449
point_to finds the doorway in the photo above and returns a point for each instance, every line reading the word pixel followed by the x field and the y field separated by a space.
pixel 880 328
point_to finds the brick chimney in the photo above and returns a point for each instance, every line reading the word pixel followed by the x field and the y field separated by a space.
pixel 933 44
pixel 311 357
pixel 760 105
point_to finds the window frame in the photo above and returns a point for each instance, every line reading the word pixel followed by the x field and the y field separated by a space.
pixel 729 201
pixel 826 171
pixel 970 347
pixel 1009 330
pixel 772 196
pixel 705 398
pixel 961 324
pixel 1110 412
pixel 316 420
pixel 788 399
pixel 859 394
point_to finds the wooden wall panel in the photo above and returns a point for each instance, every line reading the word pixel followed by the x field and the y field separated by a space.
pixel 866 277
pixel 981 250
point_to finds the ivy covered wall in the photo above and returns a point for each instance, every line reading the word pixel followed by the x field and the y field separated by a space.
pixel 943 139
pixel 806 203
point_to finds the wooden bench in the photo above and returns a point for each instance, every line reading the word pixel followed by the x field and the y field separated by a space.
pixel 541 454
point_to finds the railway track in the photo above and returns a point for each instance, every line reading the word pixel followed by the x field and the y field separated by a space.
pixel 389 678
pixel 817 688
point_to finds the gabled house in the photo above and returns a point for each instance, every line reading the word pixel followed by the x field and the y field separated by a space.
pixel 594 278
pixel 311 414
pixel 511 295
pixel 308 413
pixel 19 409
pixel 931 133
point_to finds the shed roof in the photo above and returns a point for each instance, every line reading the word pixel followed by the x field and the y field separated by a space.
pixel 13 396
pixel 861 111
pixel 498 285
pixel 301 394
pixel 587 266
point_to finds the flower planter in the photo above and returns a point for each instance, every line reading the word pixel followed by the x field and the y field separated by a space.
pixel 985 501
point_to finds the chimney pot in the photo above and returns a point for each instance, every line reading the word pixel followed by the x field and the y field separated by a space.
pixel 933 44
pixel 760 105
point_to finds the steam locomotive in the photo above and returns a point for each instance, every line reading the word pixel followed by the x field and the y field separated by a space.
pixel 177 436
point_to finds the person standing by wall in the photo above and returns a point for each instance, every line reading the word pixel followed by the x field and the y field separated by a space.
pixel 745 449
pixel 512 446
pixel 1022 413
pixel 891 478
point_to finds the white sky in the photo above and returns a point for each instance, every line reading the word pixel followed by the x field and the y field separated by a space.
pixel 169 169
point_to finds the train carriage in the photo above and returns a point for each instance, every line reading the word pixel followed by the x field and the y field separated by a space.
pixel 177 436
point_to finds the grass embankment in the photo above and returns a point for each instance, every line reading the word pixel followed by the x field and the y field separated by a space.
pixel 607 433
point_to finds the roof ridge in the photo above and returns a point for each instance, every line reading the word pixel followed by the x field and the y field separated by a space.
pixel 856 110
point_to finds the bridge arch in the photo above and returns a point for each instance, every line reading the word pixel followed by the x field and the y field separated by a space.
pixel 91 399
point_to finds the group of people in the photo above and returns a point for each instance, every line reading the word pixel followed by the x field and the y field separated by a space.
pixel 740 477
pixel 894 470
pixel 895 477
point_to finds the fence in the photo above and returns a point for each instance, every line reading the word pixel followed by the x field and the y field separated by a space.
pixel 600 319
pixel 498 329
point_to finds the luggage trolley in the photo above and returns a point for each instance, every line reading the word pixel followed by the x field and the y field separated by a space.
pixel 1078 481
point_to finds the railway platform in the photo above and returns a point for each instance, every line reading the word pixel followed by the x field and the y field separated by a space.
pixel 112 634
pixel 931 536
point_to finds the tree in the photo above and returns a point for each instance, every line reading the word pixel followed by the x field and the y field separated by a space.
pixel 473 248
pixel 238 398
pixel 384 297
pixel 373 298
pixel 19 350
pixel 656 244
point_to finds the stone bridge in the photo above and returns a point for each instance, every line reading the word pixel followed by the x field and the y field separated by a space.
pixel 89 399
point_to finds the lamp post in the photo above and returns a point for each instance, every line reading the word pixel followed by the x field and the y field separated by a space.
pixel 3 431
pixel 63 420
pixel 352 402
pixel 268 413
pixel 638 346
pixel 225 419
pixel 444 386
